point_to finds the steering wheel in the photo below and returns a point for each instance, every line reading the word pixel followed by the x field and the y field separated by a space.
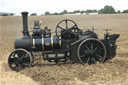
pixel 68 29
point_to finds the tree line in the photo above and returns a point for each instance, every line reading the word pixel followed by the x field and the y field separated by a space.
pixel 106 10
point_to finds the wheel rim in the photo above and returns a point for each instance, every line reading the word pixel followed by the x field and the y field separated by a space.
pixel 19 59
pixel 90 51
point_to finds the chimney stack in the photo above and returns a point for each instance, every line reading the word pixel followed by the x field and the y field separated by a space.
pixel 25 24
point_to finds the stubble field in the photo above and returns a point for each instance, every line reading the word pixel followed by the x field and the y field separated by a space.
pixel 112 72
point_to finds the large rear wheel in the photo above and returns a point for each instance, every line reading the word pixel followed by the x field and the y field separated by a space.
pixel 90 51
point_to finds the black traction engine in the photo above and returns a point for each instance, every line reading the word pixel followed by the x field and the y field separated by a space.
pixel 68 43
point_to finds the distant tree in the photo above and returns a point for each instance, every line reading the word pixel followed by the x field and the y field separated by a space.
pixel 64 12
pixel 88 11
pixel 47 13
pixel 12 14
pixel 55 14
pixel 125 11
pixel 94 11
pixel 91 11
pixel 107 10
pixel 118 11
pixel 70 13
pixel 4 14
pixel 76 11
pixel 83 12
pixel 33 14
pixel 101 11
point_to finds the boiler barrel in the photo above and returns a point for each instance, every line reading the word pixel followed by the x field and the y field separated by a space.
pixel 39 44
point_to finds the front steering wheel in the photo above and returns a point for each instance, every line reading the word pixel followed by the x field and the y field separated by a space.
pixel 67 29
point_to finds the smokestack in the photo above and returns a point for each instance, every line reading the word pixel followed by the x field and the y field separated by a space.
pixel 25 24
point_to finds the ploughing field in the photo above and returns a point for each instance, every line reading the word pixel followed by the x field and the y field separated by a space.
pixel 112 72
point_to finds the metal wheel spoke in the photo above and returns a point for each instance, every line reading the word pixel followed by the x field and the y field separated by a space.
pixel 88 59
pixel 24 65
pixel 91 46
pixel 93 60
pixel 86 52
pixel 82 56
pixel 18 67
pixel 66 22
pixel 25 56
pixel 61 28
pixel 87 48
pixel 14 59
pixel 95 49
pixel 72 27
pixel 72 32
pixel 99 57
pixel 26 61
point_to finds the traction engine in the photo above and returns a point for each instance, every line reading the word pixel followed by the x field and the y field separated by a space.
pixel 67 43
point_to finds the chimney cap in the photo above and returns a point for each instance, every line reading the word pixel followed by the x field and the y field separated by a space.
pixel 24 12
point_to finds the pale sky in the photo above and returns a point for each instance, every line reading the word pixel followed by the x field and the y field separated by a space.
pixel 41 6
